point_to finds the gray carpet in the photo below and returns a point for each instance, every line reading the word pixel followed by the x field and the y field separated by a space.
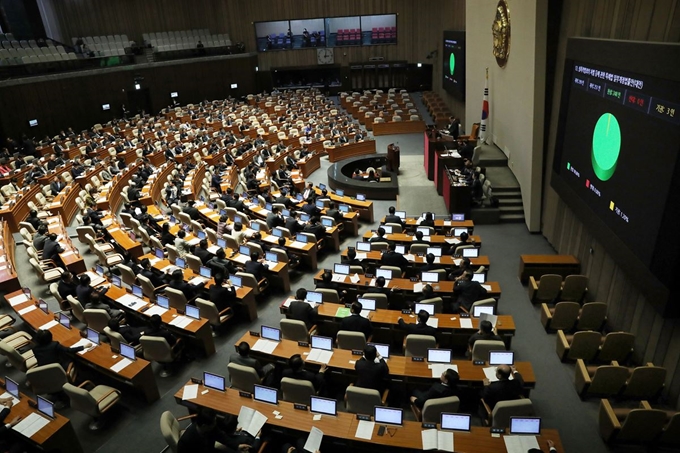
pixel 135 424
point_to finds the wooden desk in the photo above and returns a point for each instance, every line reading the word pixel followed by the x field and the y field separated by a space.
pixel 342 427
pixel 309 164
pixel 398 127
pixel 123 239
pixel 71 257
pixel 457 195
pixel 439 225
pixel 138 374
pixel 403 368
pixel 537 265
pixel 64 204
pixel 444 261
pixel 51 176
pixel 18 211
pixel 57 435
pixel 9 280
pixel 431 146
pixel 364 208
pixel 342 152
pixel 436 240
pixel 442 161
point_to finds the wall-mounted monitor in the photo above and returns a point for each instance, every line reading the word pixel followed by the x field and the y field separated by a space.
pixel 453 65
pixel 174 94
pixel 234 86
pixel 32 123
pixel 106 107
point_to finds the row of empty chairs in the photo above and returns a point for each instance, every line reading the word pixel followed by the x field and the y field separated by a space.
pixel 642 425
pixel 380 35
pixel 116 40
pixel 593 346
pixel 613 380
pixel 185 40
pixel 437 107
pixel 550 287
pixel 34 55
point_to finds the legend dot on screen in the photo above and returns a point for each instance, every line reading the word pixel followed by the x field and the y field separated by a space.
pixel 611 205
pixel 568 166
pixel 587 182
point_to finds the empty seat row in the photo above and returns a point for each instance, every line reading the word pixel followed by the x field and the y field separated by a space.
pixel 176 34
pixel 111 39
pixel 590 346
pixel 6 37
pixel 643 382
pixel 23 44
pixel 569 316
pixel 550 287
pixel 644 425
pixel 9 58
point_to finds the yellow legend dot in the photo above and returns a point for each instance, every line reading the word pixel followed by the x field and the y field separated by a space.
pixel 611 205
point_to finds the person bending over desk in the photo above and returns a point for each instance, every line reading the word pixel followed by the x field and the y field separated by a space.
pixel 421 327
pixel 47 351
pixel 504 389
pixel 447 386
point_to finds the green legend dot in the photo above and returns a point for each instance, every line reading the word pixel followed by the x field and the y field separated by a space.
pixel 606 146
pixel 452 63
pixel 568 166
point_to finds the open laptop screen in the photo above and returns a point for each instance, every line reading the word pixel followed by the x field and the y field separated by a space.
pixel 383 349
pixel 429 277
pixel 127 351
pixel 400 214
pixel 363 246
pixel 12 387
pixel 385 273
pixel 456 422
pixel 436 251
pixel 525 425
pixel 479 309
pixel 93 336
pixel 213 381
pixel 427 307
pixel 367 304
pixel 388 416
pixel 46 407
pixel 163 301
pixel 315 297
pixel 192 312
pixel 479 278
pixel 501 357
pixel 439 355
pixel 265 394
pixel 323 405
pixel 471 253
pixel 319 342
pixel 341 269
pixel 270 333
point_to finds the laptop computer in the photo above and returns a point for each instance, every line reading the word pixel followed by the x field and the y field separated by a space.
pixel 458 217
pixel 319 342
pixel 117 282
pixel 301 238
pixel 236 281
pixel 163 301
pixel 385 273
pixel 400 214
pixel 64 320
pixel 12 387
pixel 214 381
pixel 388 416
pixel 180 262
pixel 436 251
pixel 244 250
pixel 361 197
pixel 340 192
pixel 205 271
pixel 342 269
pixel 439 355
pixel 137 291
pixel 314 297
pixel 363 246
pixel 367 304
pixel 127 351
pixel 266 394
pixel 479 278
pixel 383 349
pixel 45 407
pixel 427 307
pixel 471 253
pixel 501 357
pixel 192 312
pixel 326 406
pixel 455 422
pixel 429 277
pixel 159 253
pixel 525 425
pixel 480 309
pixel 270 333
pixel 400 249
pixel 93 336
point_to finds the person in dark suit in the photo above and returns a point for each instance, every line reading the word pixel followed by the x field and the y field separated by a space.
pixel 391 217
pixel 357 323
pixel 202 252
pixel 392 258
pixel 130 334
pixel 203 434
pixel 428 220
pixel 8 442
pixel 222 296
pixel 351 258
pixel 56 186
pixel 372 370
pixel 419 239
pixel 166 236
pixel 327 282
pixel 333 211
pixel 477 191
pixel 67 285
pixel 293 224
pixel 301 310
pixel 242 357
pixel 454 126
pixel 284 200
pixel 34 220
pixel 314 227
pixel 47 351
pixel 421 327
pixel 274 218
pixel 380 236
pixel 465 292
pixel 486 332
pixel 504 389
pixel 216 182
pixel 52 249
pixel 255 266
pixel 156 329
pixel 236 203
pixel 156 277
pixel 220 264
pixel 192 210
pixel 296 370
pixel 310 208
pixel 95 303
pixel 429 264
pixel 458 271
pixel 447 386
pixel 177 282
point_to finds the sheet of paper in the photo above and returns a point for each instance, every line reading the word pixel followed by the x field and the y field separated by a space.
pixel 317 417
pixel 487 287
pixel 439 368
pixel 190 392
pixel 429 438
pixel 213 249
pixel 320 355
pixel 355 278
pixel 372 282
pixel 339 278
pixel 241 258
pixel 245 415
pixel 181 321
pixel 445 440
pixel 130 301
pixel 364 430
pixel 365 313
pixel 465 323
pixel 7 395
pixel 457 261
pixel 16 300
pixel 29 309
pixel 197 280
pixel 520 444
pixel 361 256
pixel 194 241
pixel 49 325
pixel 65 254
pixel 297 244
pixel 314 440
pixel 433 322
pixel 418 287
pixel 452 240
pixel 83 342
pixel 31 424
pixel 155 310
pixel 266 346
pixel 447 223
pixel 256 423
pixel 121 365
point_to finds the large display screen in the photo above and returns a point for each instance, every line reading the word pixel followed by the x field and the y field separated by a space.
pixel 616 152
pixel 326 32
pixel 453 63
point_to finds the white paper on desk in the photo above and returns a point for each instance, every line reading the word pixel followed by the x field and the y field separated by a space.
pixel 366 314
pixel 83 342
pixel 457 261
pixel 520 444
pixel 433 322
pixel 197 280
pixel 251 420
pixel 339 278
pixel 439 368
pixel 355 278
pixel 49 325
pixel 361 256
pixel 418 287
pixel 131 301
pixel 155 310
pixel 372 282
pixel 153 261
pixel 437 260
pixel 429 438
pixel 29 309
pixel 190 392
pixel 447 223
pixel 241 258
pixel 2 258
pixel 107 222
pixel 270 264
pixel 113 230
pixel 487 287
pixel 288 301
pixel 95 279
pixel 320 355
pixel 69 253
pixel 490 374
pixel 194 241
pixel 117 367
pixel 364 430
pixel 297 244
pixel 53 220
pixel 181 321
pixel 16 300
pixel 7 395
pixel 452 240
pixel 31 424
pixel 266 346
pixel 314 440
pixel 465 323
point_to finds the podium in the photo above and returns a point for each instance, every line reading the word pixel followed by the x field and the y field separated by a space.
pixel 393 158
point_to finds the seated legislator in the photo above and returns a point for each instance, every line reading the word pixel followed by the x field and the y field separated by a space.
pixel 156 329
pixel 391 217
pixel 301 310
pixel 177 282
pixel 222 296
pixel 205 436
pixel 40 238
pixel 47 351
pixel 202 252
pixel 293 223
pixel 130 334
pixel 429 264
pixel 392 258
pixel 421 327
pixel 419 239
pixel 220 264
pixel 242 357
pixel 485 332
pixel 357 323
pixel 67 285
pixel 155 276
pixel 504 389
pixel 296 370
pixel 465 292
pixel 255 266
pixel 327 282
pixel 96 303
pixel 380 236
pixel 447 386
pixel 351 258
pixel 275 219
pixel 372 370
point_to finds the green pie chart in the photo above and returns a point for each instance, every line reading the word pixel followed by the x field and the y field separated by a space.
pixel 452 63
pixel 606 146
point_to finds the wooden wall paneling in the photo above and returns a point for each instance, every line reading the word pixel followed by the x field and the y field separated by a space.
pixel 673 27
pixel 659 23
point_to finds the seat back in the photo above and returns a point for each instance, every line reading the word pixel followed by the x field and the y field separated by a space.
pixel 396 272
pixel 565 315
pixel 584 345
pixel 381 300
pixel 76 308
pixel 355 269
pixel 96 319
pixel 147 287
pixel 351 340
pixel 490 302
pixel 176 298
pixel 379 246
pixel 127 275
pixel 82 231
pixel 433 408
pixel 170 430
pixel 549 287
pixel 671 433
pixel 514 408
pixel 193 262
pixel 645 382
pixel 361 401
pixel 173 254
pixel 81 400
pixel 115 338
pixel 208 310
pixel 156 349
pixel 417 345
pixel 46 379
pixel 608 380
pixel 292 329
pixel 396 227
pixel 438 303
pixel 296 390
pixel 592 316
pixel 329 295
pixel 642 425
pixel 574 288
pixel 243 377
pixel 418 248
pixel 13 356
pixel 616 346
pixel 54 290
pixel 481 348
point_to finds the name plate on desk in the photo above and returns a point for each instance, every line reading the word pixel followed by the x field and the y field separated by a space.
pixel 464 315
pixel 254 334
pixel 478 362
pixel 357 352
pixel 196 381
pixel 245 394
pixel 366 418
pixel 369 276
pixel 429 426
pixel 417 359
pixel 405 311
pixel 304 344
pixel 300 407
pixel 497 430
pixel 414 279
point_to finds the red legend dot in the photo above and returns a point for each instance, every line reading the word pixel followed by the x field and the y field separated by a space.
pixel 587 182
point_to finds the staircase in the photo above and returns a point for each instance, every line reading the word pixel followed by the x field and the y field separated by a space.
pixel 148 52
pixel 511 209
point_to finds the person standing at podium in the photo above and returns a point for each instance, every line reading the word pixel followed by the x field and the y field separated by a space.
pixel 454 127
